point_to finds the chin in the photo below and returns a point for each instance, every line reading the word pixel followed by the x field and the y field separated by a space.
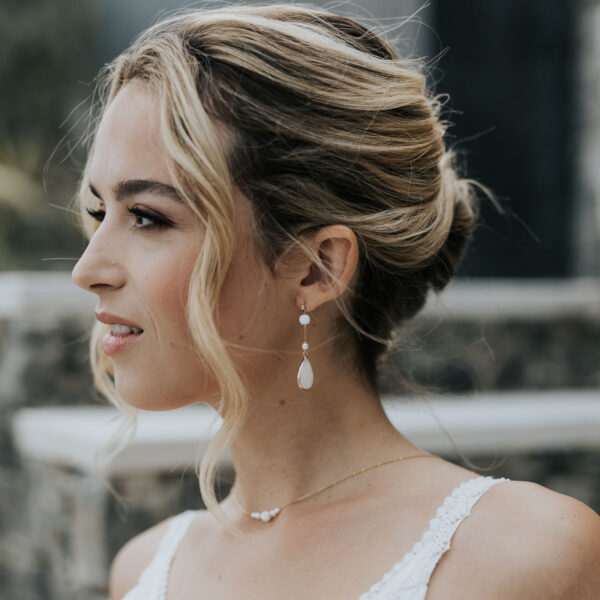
pixel 144 396
pixel 153 394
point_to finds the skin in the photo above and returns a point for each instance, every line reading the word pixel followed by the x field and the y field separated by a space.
pixel 294 441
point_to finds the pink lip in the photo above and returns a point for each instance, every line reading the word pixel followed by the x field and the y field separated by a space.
pixel 109 319
pixel 112 343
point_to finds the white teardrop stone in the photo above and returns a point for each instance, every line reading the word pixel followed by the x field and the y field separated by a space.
pixel 305 374
pixel 265 516
pixel 274 512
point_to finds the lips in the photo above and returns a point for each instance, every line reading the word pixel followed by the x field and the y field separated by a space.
pixel 122 334
pixel 112 344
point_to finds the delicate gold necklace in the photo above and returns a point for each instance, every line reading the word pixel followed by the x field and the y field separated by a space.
pixel 267 515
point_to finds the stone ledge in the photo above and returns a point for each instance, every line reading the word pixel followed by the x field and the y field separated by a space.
pixel 42 298
pixel 526 300
pixel 70 436
pixel 507 423
pixel 503 422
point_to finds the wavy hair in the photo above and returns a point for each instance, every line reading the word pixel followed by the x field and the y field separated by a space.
pixel 326 124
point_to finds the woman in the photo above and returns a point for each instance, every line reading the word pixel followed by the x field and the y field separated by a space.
pixel 268 196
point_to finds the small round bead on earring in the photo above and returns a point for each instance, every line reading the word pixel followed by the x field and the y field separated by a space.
pixel 305 372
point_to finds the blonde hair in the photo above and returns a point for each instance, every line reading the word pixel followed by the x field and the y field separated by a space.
pixel 327 124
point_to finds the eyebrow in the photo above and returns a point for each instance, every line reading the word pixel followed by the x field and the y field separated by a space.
pixel 131 187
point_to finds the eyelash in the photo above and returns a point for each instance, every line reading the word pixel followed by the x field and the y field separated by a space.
pixel 157 222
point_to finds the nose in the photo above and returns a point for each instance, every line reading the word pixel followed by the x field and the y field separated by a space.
pixel 98 267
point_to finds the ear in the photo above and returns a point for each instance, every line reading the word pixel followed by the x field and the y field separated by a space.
pixel 337 248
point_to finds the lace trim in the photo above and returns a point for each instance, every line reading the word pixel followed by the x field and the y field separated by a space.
pixel 419 562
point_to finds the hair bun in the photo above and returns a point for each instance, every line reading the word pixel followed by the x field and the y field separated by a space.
pixel 460 194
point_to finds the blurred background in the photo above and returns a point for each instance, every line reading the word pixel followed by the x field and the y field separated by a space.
pixel 515 339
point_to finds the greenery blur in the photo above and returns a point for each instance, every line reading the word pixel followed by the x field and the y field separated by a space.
pixel 47 52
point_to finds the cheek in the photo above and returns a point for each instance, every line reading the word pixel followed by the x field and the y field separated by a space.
pixel 250 309
pixel 166 288
pixel 241 300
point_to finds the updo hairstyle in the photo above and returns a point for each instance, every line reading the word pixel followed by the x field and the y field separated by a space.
pixel 325 124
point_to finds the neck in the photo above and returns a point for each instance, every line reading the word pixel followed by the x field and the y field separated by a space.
pixel 291 446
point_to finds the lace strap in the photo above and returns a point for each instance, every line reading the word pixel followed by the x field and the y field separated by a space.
pixel 408 578
pixel 436 540
pixel 156 575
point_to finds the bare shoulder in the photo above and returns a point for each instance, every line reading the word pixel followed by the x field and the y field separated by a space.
pixel 523 540
pixel 558 540
pixel 133 557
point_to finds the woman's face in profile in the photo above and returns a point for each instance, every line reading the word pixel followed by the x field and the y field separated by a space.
pixel 140 258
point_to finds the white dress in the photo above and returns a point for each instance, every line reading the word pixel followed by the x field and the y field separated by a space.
pixel 406 580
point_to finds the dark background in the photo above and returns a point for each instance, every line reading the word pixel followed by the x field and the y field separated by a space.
pixel 509 70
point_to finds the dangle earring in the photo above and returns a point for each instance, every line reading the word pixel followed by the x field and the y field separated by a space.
pixel 305 372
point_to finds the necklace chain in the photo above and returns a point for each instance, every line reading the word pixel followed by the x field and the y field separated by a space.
pixel 267 515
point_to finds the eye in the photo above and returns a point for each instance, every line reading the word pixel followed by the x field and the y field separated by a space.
pixel 147 220
pixel 97 215
pixel 143 218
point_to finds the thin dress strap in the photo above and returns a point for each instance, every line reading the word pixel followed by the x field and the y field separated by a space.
pixel 408 579
pixel 152 583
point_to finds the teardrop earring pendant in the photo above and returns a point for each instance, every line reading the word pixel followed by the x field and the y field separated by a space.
pixel 305 372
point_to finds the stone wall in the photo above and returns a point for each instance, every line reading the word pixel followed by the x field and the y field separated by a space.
pixel 484 335
pixel 43 361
